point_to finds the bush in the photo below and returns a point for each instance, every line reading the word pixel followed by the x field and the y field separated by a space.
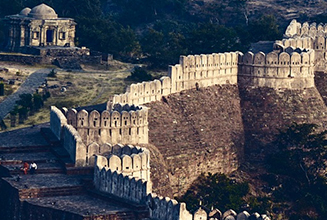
pixel 139 74
pixel 215 190
pixel 52 73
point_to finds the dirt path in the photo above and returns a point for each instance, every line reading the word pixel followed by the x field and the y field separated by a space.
pixel 31 83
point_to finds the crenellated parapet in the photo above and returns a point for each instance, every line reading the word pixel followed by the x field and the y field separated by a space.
pixel 120 124
pixel 144 92
pixel 122 186
pixel 57 121
pixel 286 68
pixel 310 36
pixel 124 171
pixel 192 71
pixel 204 70
pixel 74 145
pixel 166 208
pixel 298 30
pixel 129 160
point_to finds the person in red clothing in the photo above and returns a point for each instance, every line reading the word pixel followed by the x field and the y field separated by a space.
pixel 25 167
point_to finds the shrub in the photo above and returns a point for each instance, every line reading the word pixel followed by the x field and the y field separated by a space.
pixel 139 74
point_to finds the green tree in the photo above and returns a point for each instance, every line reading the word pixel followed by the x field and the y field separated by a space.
pixel 264 28
pixel 162 48
pixel 13 114
pixel 22 114
pixel 298 165
pixel 37 101
pixel 215 190
pixel 140 74
pixel 108 36
pixel 26 101
pixel 211 38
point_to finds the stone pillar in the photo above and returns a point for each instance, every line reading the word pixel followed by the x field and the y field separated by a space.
pixel 22 36
pixel 41 33
pixel 56 36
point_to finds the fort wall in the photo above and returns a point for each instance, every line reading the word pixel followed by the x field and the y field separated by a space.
pixel 290 68
pixel 128 160
pixel 311 36
pixel 74 145
pixel 126 187
pixel 57 121
pixel 191 72
pixel 293 69
pixel 122 124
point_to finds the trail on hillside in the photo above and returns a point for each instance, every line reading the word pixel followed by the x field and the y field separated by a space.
pixel 29 86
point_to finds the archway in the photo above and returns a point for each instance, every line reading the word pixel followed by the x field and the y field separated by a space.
pixel 49 36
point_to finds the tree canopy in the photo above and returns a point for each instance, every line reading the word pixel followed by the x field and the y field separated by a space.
pixel 297 171
pixel 215 190
pixel 156 32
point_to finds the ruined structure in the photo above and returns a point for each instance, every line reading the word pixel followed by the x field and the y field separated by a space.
pixel 43 37
pixel 39 26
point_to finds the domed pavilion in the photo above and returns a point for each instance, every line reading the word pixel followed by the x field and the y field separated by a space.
pixel 38 27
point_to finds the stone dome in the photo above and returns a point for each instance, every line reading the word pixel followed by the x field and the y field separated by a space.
pixel 43 11
pixel 25 11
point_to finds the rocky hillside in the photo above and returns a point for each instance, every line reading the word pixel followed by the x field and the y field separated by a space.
pixel 197 131
pixel 286 10
pixel 206 130
pixel 266 110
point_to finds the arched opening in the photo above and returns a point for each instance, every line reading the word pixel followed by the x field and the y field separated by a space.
pixel 49 36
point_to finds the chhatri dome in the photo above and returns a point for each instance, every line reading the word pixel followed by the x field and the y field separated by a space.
pixel 25 11
pixel 38 27
pixel 43 11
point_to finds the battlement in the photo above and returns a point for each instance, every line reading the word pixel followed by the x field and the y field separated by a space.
pixel 57 121
pixel 129 160
pixel 204 70
pixel 121 124
pixel 119 172
pixel 286 68
pixel 192 71
pixel 289 66
pixel 311 36
pixel 126 187
pixel 166 208
pixel 296 29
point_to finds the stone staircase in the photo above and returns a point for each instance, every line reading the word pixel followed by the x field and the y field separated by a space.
pixel 57 188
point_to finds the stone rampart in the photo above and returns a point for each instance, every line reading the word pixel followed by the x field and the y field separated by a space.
pixel 204 70
pixel 57 121
pixel 126 125
pixel 296 29
pixel 128 160
pixel 70 138
pixel 191 72
pixel 126 187
pixel 165 208
pixel 74 145
pixel 310 36
pixel 289 68
pixel 292 69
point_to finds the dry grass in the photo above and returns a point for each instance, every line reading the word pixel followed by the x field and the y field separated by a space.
pixel 93 85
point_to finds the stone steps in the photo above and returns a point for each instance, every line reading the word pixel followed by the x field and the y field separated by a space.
pixel 125 216
pixel 39 171
pixel 22 149
pixel 50 192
